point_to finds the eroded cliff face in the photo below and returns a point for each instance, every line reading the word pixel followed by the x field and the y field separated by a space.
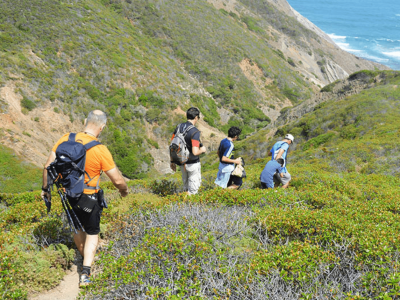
pixel 317 58
pixel 285 7
pixel 327 62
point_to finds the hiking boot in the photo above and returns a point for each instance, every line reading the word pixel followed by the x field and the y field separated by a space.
pixel 84 280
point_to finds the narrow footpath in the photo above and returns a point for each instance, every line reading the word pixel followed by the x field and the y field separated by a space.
pixel 68 289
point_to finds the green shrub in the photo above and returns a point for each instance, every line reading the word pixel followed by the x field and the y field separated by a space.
pixel 164 187
pixel 251 23
pixel 291 94
pixel 27 104
pixel 319 140
pixel 291 62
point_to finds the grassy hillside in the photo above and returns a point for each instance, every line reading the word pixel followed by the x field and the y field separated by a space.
pixel 139 60
pixel 333 234
pixel 17 176
pixel 357 133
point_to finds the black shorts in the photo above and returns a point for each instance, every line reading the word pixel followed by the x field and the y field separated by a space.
pixel 234 180
pixel 264 186
pixel 89 221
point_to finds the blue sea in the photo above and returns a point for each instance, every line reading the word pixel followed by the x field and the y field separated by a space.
pixel 367 28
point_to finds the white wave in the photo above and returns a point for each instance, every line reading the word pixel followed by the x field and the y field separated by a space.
pixel 374 58
pixel 395 54
pixel 336 37
pixel 397 15
pixel 346 47
pixel 388 40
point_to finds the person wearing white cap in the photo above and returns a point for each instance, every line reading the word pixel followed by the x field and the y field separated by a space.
pixel 279 150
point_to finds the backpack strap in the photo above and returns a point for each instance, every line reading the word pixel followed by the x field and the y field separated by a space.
pixel 91 144
pixel 72 137
pixel 86 186
pixel 281 146
pixel 184 132
pixel 187 129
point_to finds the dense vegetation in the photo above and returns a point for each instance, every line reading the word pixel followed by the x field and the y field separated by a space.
pixel 357 133
pixel 16 175
pixel 333 234
pixel 139 60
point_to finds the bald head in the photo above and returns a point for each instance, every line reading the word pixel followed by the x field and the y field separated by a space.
pixel 97 118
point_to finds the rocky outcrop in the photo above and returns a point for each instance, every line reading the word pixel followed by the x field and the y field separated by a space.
pixel 335 91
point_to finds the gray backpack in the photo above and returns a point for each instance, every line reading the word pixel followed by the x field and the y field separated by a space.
pixel 178 150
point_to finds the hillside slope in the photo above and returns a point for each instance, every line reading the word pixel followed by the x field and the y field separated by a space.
pixel 348 132
pixel 143 62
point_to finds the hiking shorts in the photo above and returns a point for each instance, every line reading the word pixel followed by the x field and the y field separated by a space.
pixel 284 180
pixel 265 186
pixel 89 221
pixel 191 177
pixel 235 180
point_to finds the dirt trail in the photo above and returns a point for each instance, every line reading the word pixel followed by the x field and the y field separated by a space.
pixel 68 289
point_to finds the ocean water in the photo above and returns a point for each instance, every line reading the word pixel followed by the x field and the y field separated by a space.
pixel 366 28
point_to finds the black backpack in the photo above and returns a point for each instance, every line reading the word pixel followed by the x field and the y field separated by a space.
pixel 70 166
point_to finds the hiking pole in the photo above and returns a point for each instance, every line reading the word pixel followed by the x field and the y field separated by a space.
pixel 53 176
pixel 48 204
pixel 65 207
pixel 71 210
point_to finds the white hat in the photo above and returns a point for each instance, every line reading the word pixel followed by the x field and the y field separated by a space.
pixel 289 137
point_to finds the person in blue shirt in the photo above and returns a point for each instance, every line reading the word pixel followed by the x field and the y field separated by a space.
pixel 267 175
pixel 227 161
pixel 279 150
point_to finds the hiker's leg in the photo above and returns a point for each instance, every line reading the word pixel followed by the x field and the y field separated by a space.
pixel 194 178
pixel 92 228
pixel 286 180
pixel 277 180
pixel 184 178
pixel 235 182
pixel 79 239
pixel 90 249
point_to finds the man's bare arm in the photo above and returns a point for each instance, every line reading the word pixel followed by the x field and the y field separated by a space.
pixel 197 151
pixel 237 161
pixel 118 181
pixel 50 159
pixel 280 153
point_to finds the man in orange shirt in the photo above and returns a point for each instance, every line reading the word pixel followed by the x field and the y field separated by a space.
pixel 98 159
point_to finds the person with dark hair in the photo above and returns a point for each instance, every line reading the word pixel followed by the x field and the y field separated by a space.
pixel 191 170
pixel 227 161
pixel 271 168
pixel 98 159
pixel 280 150
pixel 192 113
